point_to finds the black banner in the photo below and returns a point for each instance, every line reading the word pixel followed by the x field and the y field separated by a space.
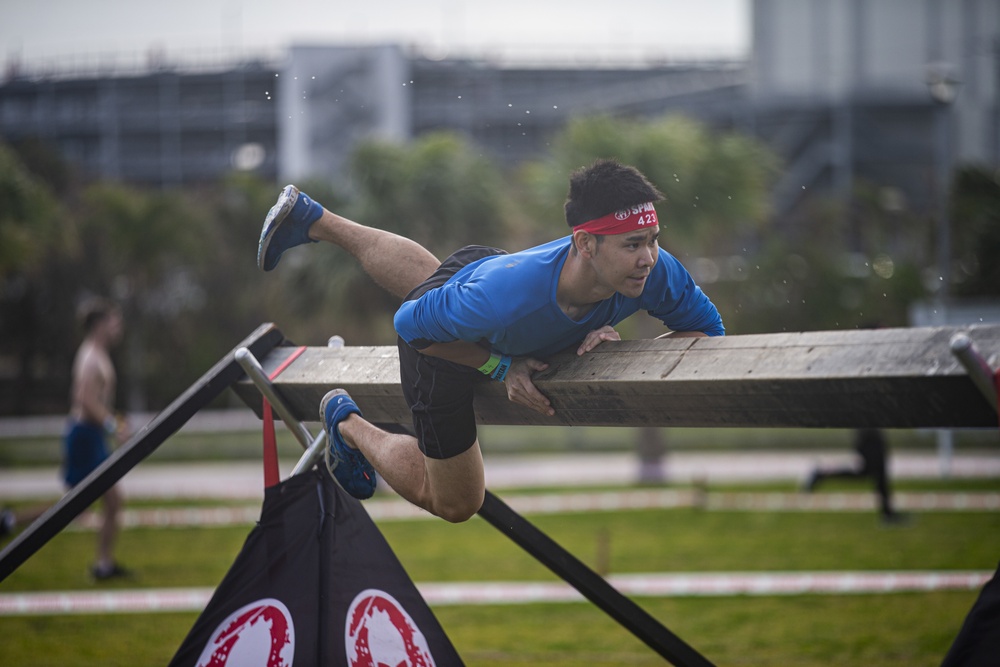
pixel 316 584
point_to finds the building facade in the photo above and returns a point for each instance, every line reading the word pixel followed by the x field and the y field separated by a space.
pixel 889 92
pixel 893 92
pixel 301 117
pixel 162 127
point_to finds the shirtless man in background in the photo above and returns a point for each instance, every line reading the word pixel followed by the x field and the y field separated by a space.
pixel 92 421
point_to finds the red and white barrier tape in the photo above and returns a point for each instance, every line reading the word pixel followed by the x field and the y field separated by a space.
pixel 478 593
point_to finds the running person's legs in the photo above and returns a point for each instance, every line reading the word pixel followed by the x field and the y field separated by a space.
pixel 107 535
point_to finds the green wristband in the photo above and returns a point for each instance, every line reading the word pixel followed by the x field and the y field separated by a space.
pixel 491 363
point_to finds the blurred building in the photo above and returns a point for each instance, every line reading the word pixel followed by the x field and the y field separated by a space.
pixel 299 117
pixel 154 125
pixel 891 92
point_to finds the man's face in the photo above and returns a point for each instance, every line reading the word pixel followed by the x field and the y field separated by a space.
pixel 623 261
pixel 114 327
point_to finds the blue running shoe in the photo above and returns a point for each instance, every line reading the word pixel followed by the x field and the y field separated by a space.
pixel 348 466
pixel 286 225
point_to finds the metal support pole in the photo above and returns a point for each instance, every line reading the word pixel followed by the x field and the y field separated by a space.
pixel 314 446
pixel 312 455
pixel 590 584
pixel 976 366
pixel 255 372
pixel 943 240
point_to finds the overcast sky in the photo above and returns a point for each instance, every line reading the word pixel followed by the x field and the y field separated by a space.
pixel 42 30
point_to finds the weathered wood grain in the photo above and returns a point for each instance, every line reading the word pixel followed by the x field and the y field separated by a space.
pixel 888 378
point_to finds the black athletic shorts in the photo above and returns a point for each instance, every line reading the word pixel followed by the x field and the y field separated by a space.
pixel 440 392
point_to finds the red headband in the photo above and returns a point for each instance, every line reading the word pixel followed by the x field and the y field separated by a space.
pixel 626 220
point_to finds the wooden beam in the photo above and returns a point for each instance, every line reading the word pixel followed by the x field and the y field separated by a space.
pixel 887 378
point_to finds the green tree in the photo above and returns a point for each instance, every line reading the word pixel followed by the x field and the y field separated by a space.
pixel 796 285
pixel 976 232
pixel 29 216
pixel 438 190
pixel 144 249
pixel 33 321
pixel 716 184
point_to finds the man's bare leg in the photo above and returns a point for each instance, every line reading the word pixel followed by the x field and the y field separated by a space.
pixel 394 262
pixel 108 533
pixel 452 488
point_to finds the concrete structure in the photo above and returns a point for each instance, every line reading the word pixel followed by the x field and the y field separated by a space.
pixel 330 98
pixel 300 118
pixel 891 91
pixel 159 127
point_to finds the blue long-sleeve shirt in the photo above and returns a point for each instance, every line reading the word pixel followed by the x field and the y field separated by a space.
pixel 510 300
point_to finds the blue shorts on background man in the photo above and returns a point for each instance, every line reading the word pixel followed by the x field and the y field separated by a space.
pixel 85 448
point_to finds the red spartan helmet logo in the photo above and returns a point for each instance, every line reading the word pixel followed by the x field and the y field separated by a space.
pixel 379 633
pixel 260 633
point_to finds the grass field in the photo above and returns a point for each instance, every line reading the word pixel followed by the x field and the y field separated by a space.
pixel 910 629
pixel 904 630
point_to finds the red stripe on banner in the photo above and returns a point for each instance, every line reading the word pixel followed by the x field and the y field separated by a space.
pixel 271 473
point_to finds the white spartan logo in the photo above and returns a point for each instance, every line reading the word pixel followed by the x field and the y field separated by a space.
pixel 259 634
pixel 378 631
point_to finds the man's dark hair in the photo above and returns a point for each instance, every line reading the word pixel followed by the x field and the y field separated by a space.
pixel 605 187
pixel 94 310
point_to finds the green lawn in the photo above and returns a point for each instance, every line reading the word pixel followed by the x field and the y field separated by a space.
pixel 902 630
pixel 909 629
